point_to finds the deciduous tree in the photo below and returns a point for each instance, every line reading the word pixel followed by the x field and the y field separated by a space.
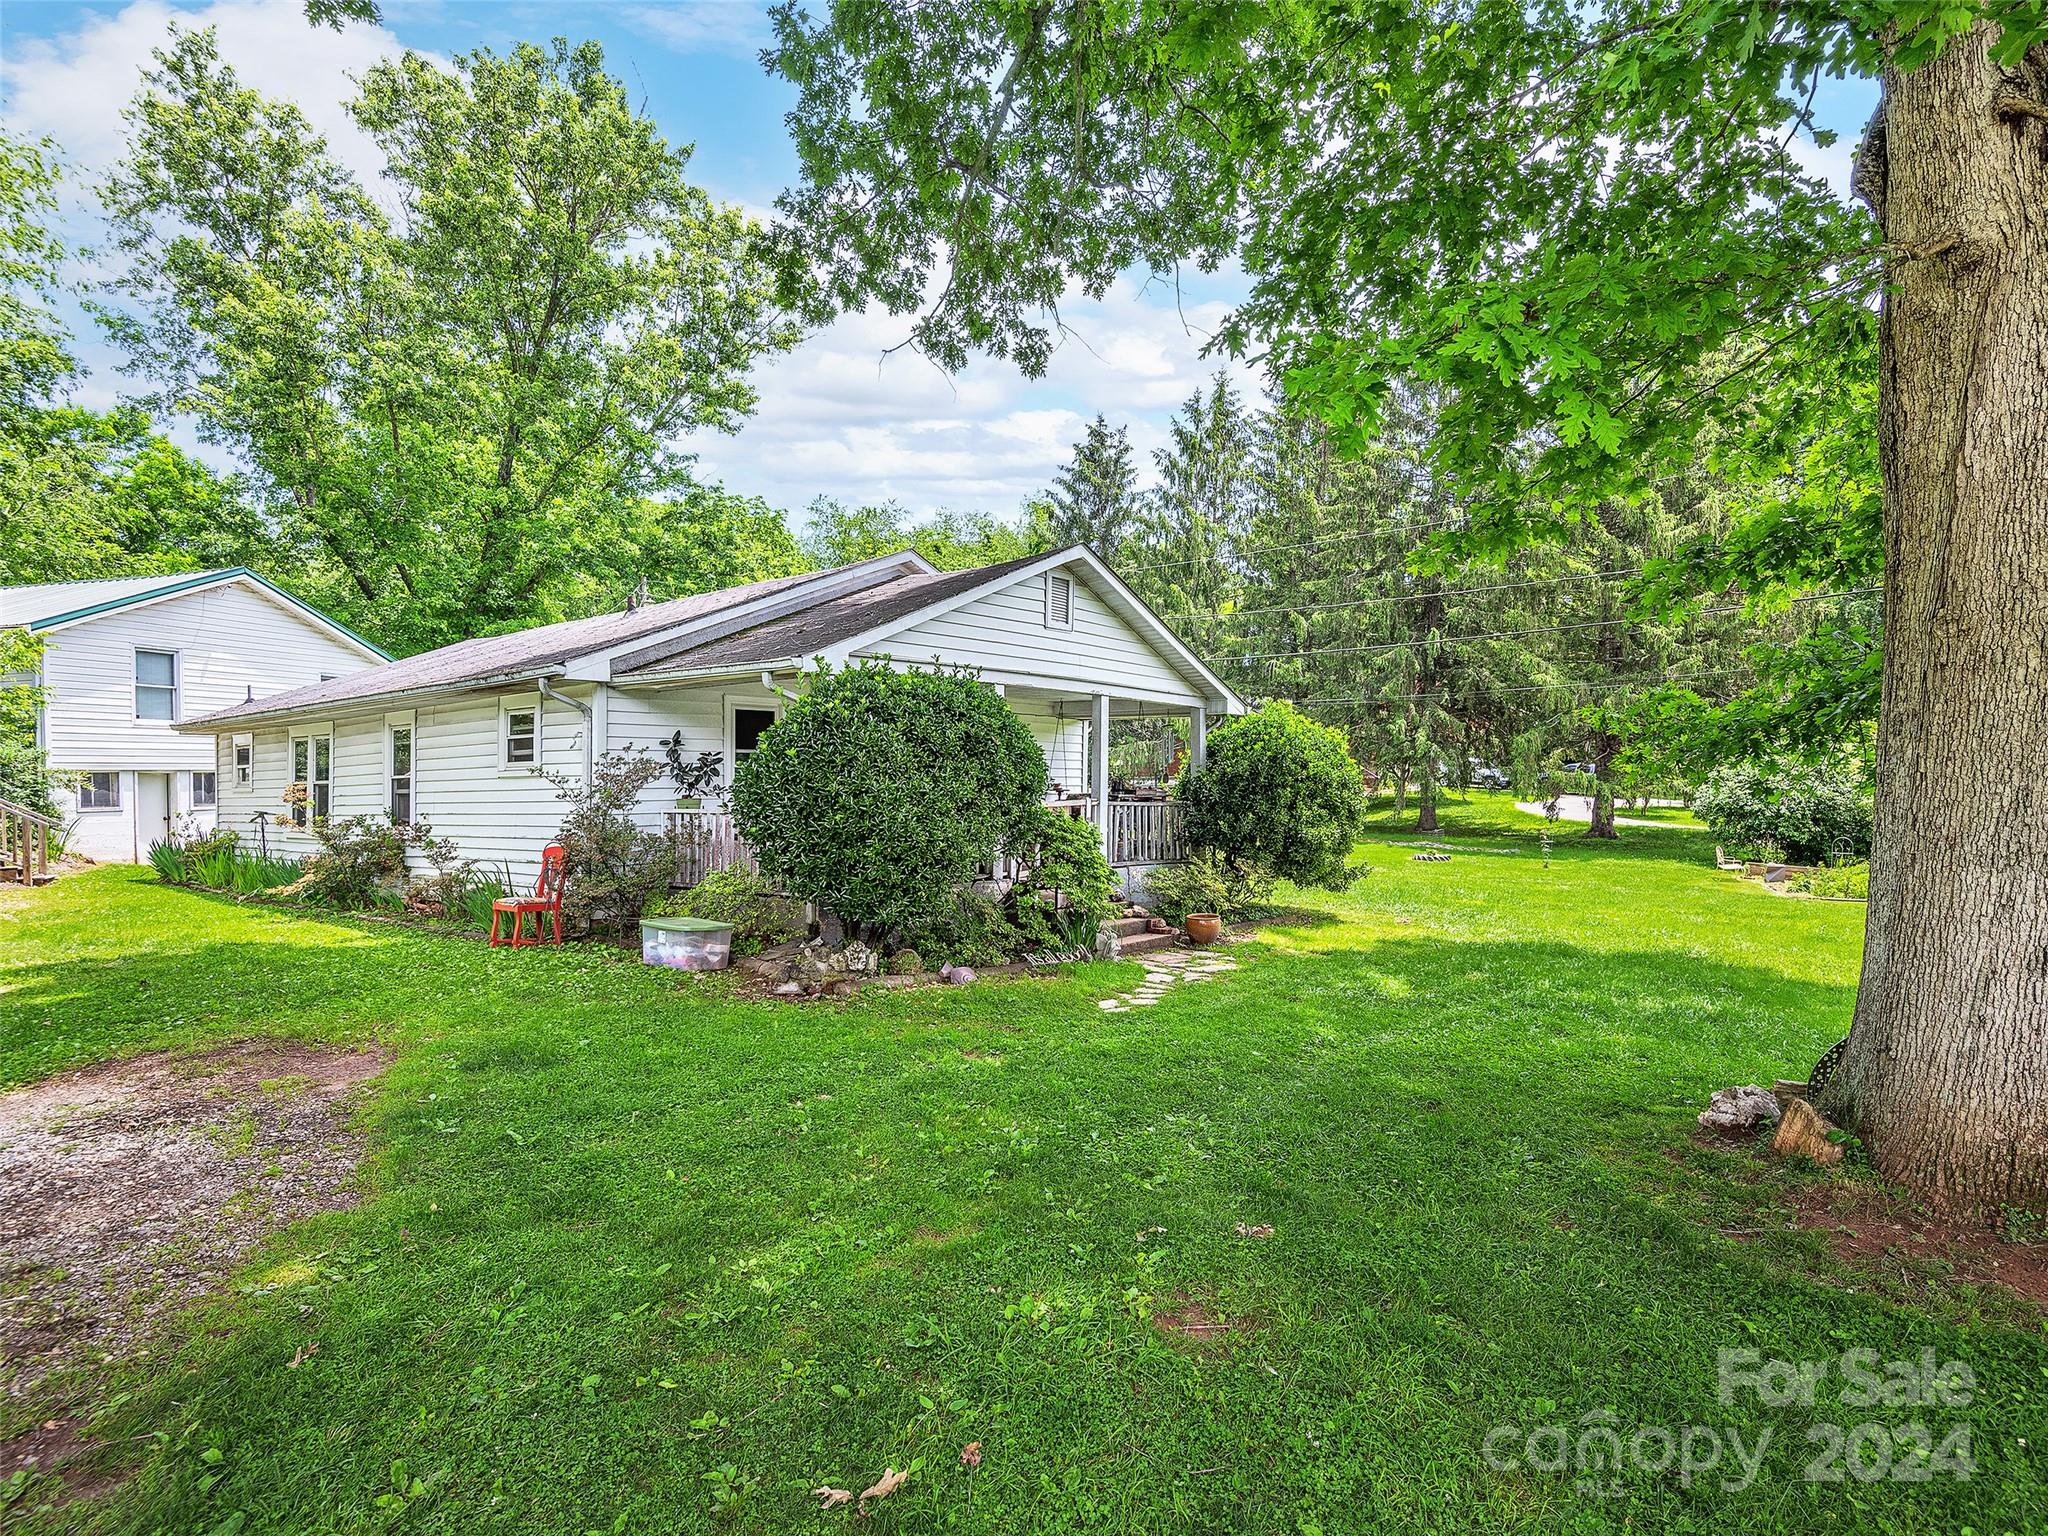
pixel 440 393
pixel 1584 226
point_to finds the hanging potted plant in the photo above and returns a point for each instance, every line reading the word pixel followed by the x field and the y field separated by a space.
pixel 694 780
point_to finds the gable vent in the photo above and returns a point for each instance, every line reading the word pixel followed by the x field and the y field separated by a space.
pixel 1059 602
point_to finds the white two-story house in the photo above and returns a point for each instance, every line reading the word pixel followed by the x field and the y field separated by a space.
pixel 126 658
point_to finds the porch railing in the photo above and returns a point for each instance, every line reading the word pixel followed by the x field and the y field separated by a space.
pixel 24 844
pixel 1146 832
pixel 706 842
pixel 1140 832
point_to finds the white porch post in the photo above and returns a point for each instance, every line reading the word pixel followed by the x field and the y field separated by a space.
pixel 1198 736
pixel 1098 766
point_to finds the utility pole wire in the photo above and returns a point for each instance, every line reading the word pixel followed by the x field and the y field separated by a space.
pixel 1413 597
pixel 1504 634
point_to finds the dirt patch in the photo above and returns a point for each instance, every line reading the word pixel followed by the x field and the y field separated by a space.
pixel 1869 1228
pixel 1197 1325
pixel 130 1189
pixel 55 1446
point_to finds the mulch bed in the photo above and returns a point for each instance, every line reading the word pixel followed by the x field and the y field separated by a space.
pixel 1868 1227
pixel 1874 1230
pixel 130 1189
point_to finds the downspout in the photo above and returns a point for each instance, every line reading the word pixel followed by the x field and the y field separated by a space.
pixel 589 726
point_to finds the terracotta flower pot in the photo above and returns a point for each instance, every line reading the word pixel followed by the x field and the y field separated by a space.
pixel 1204 927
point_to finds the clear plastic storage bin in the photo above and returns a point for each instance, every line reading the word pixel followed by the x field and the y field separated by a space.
pixel 686 943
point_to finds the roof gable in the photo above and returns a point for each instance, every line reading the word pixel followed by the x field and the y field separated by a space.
pixel 51 606
pixel 863 620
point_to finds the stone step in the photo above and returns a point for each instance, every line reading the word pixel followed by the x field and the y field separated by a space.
pixel 1124 927
pixel 1144 943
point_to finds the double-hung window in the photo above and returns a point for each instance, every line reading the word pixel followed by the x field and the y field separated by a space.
pixel 245 761
pixel 522 735
pixel 100 792
pixel 156 685
pixel 205 791
pixel 312 778
pixel 401 774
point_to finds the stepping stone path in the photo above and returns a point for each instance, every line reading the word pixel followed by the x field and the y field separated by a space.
pixel 1165 968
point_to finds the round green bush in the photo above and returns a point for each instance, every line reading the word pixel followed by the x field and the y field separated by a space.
pixel 879 793
pixel 1281 792
pixel 1802 811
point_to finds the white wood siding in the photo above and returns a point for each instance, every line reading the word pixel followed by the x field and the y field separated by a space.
pixel 496 815
pixel 228 641
pixel 505 817
pixel 1005 631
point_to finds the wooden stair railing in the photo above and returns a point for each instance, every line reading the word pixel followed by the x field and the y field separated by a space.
pixel 24 844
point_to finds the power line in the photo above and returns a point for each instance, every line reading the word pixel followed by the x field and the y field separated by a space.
pixel 1329 538
pixel 1505 634
pixel 1413 597
pixel 1611 682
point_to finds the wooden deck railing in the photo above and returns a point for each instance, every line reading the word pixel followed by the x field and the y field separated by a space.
pixel 24 844
pixel 1146 832
pixel 1140 832
pixel 706 843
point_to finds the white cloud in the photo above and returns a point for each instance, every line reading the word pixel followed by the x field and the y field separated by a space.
pixel 843 415
pixel 74 86
pixel 737 27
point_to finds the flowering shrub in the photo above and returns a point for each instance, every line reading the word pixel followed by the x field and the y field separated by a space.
pixel 1803 811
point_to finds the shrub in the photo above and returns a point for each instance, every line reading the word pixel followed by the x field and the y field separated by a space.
pixel 905 962
pixel 1281 793
pixel 1065 890
pixel 967 929
pixel 456 890
pixel 1852 880
pixel 615 866
pixel 1806 812
pixel 361 862
pixel 759 917
pixel 879 793
pixel 1207 883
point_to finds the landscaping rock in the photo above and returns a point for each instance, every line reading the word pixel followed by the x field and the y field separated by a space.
pixel 790 989
pixel 959 975
pixel 1739 1109
pixel 1803 1132
pixel 859 959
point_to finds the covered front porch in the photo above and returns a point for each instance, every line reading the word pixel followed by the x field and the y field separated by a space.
pixel 1139 827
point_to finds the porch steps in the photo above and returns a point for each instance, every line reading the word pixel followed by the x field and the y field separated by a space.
pixel 1144 943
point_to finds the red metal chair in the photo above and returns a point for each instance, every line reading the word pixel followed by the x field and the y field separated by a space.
pixel 546 898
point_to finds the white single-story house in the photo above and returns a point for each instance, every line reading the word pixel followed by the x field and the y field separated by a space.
pixel 126 658
pixel 460 737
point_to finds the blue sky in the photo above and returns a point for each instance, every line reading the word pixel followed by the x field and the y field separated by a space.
pixel 836 418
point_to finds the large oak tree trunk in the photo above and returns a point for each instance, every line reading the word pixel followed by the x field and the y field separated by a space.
pixel 1946 1075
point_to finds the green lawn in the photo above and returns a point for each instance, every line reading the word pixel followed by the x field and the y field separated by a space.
pixel 636 1256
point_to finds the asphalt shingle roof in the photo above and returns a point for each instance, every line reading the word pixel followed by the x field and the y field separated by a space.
pixel 525 650
pixel 799 636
